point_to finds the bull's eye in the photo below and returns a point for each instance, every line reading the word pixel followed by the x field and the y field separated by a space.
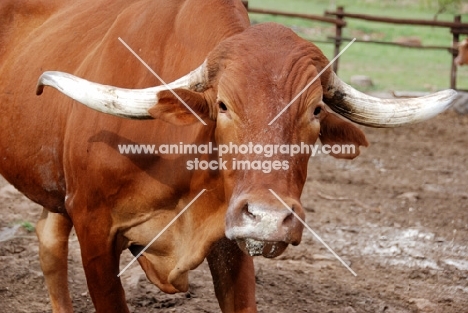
pixel 317 110
pixel 222 107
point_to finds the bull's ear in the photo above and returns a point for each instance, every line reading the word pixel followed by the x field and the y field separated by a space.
pixel 170 109
pixel 336 131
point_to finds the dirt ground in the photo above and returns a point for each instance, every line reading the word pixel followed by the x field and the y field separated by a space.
pixel 398 215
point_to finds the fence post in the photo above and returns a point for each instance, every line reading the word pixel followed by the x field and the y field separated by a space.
pixel 339 33
pixel 456 39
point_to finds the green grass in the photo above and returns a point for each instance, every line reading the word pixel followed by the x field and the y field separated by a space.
pixel 28 226
pixel 391 68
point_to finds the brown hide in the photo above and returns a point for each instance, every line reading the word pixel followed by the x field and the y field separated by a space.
pixel 65 156
pixel 462 58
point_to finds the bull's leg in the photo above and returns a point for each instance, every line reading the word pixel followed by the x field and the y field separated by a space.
pixel 233 277
pixel 100 256
pixel 53 230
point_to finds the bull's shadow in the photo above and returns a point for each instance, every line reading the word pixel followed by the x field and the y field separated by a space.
pixel 167 168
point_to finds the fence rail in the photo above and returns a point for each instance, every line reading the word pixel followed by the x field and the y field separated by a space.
pixel 399 44
pixel 456 28
pixel 401 21
pixel 299 15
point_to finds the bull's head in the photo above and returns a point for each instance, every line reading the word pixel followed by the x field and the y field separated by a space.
pixel 243 85
pixel 462 58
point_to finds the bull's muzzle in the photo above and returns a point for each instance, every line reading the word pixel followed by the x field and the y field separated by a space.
pixel 264 227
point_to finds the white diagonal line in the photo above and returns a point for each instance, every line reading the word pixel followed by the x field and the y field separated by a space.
pixel 161 80
pixel 161 232
pixel 310 84
pixel 313 233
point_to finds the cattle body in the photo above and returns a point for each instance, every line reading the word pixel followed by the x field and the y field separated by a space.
pixel 462 58
pixel 64 155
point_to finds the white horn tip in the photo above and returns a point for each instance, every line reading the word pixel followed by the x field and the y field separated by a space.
pixel 445 99
pixel 43 81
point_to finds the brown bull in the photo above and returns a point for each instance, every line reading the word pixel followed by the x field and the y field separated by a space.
pixel 65 156
pixel 462 58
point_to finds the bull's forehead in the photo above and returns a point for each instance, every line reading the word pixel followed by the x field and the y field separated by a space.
pixel 267 66
pixel 257 97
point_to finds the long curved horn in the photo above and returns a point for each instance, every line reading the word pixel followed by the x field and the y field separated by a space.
pixel 370 111
pixel 129 103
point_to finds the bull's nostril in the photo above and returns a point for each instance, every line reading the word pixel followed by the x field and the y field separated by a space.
pixel 289 217
pixel 247 212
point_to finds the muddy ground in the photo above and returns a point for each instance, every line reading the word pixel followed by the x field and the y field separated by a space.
pixel 398 215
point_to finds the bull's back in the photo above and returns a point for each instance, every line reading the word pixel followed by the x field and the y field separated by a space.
pixel 41 138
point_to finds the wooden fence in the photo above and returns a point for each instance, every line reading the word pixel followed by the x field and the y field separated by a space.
pixel 337 18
